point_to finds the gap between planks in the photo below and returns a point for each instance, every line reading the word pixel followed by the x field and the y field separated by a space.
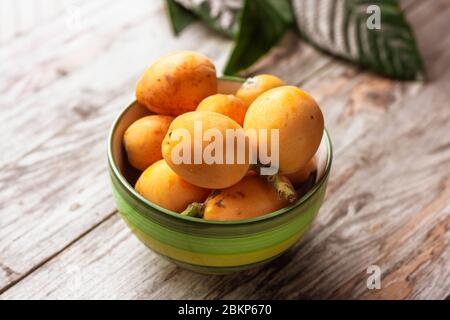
pixel 57 253
pixel 55 133
pixel 83 234
pixel 324 67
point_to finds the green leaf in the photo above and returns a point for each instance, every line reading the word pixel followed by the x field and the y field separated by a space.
pixel 284 9
pixel 262 23
pixel 390 50
pixel 233 78
pixel 179 16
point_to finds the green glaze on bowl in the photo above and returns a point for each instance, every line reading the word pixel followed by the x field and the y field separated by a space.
pixel 209 246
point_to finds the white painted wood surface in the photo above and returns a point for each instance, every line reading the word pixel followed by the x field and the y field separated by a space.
pixel 64 80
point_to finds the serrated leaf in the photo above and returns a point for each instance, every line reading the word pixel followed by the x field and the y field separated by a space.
pixel 262 23
pixel 340 27
pixel 180 17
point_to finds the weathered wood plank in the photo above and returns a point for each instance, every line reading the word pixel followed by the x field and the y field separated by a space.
pixel 73 57
pixel 27 172
pixel 398 218
pixel 51 183
pixel 69 140
pixel 18 17
pixel 150 277
pixel 67 68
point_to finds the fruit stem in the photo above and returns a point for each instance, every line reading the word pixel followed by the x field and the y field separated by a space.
pixel 282 184
pixel 284 187
pixel 193 210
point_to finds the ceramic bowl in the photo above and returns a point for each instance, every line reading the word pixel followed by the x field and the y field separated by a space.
pixel 213 247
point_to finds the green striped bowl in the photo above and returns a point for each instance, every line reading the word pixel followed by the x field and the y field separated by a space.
pixel 206 246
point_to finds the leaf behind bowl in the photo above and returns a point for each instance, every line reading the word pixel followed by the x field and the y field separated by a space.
pixel 262 23
pixel 340 27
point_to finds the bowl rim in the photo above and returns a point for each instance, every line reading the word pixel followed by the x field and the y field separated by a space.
pixel 123 181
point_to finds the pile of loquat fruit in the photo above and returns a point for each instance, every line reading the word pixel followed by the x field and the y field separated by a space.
pixel 181 89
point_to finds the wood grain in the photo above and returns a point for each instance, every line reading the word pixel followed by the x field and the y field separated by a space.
pixel 55 175
pixel 20 17
pixel 351 232
pixel 388 200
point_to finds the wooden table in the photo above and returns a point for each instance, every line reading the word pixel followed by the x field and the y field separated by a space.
pixel 66 72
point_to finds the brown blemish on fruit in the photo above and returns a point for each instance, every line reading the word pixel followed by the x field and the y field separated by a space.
pixel 220 204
